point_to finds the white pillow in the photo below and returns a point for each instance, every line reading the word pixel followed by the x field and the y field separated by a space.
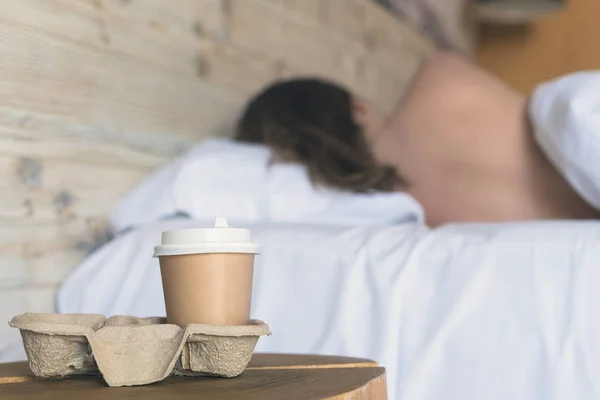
pixel 565 114
pixel 238 181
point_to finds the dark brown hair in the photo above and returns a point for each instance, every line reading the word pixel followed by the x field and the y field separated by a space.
pixel 310 121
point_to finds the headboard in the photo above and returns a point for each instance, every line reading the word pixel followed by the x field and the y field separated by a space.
pixel 96 93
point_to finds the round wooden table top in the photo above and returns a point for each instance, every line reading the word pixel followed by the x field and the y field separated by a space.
pixel 268 376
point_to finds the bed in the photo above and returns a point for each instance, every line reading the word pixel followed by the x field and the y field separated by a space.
pixel 462 312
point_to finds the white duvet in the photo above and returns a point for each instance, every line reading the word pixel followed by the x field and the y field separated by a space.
pixel 465 312
pixel 504 311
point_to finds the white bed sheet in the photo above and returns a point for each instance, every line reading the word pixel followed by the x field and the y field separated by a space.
pixel 464 312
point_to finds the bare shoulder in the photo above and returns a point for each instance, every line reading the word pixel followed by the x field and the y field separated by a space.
pixel 447 75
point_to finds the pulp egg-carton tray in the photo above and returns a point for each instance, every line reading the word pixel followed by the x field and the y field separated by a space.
pixel 131 351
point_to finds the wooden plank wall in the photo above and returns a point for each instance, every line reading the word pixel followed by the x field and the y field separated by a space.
pixel 96 93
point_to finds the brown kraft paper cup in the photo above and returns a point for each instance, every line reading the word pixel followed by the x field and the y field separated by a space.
pixel 212 289
pixel 207 274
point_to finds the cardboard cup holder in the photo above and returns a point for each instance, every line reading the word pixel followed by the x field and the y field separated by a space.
pixel 130 351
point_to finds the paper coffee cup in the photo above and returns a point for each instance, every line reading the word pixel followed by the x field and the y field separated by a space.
pixel 207 274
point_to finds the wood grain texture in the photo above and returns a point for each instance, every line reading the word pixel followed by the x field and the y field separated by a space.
pixel 274 360
pixel 94 94
pixel 270 376
pixel 448 23
pixel 555 45
pixel 259 361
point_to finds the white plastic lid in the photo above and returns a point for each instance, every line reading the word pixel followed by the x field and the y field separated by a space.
pixel 218 239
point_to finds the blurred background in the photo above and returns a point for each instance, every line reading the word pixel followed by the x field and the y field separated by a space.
pixel 524 42
pixel 544 48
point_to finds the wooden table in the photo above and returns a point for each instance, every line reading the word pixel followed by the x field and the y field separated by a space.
pixel 269 376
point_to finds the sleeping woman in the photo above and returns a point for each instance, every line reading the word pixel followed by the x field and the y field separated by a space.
pixel 459 143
